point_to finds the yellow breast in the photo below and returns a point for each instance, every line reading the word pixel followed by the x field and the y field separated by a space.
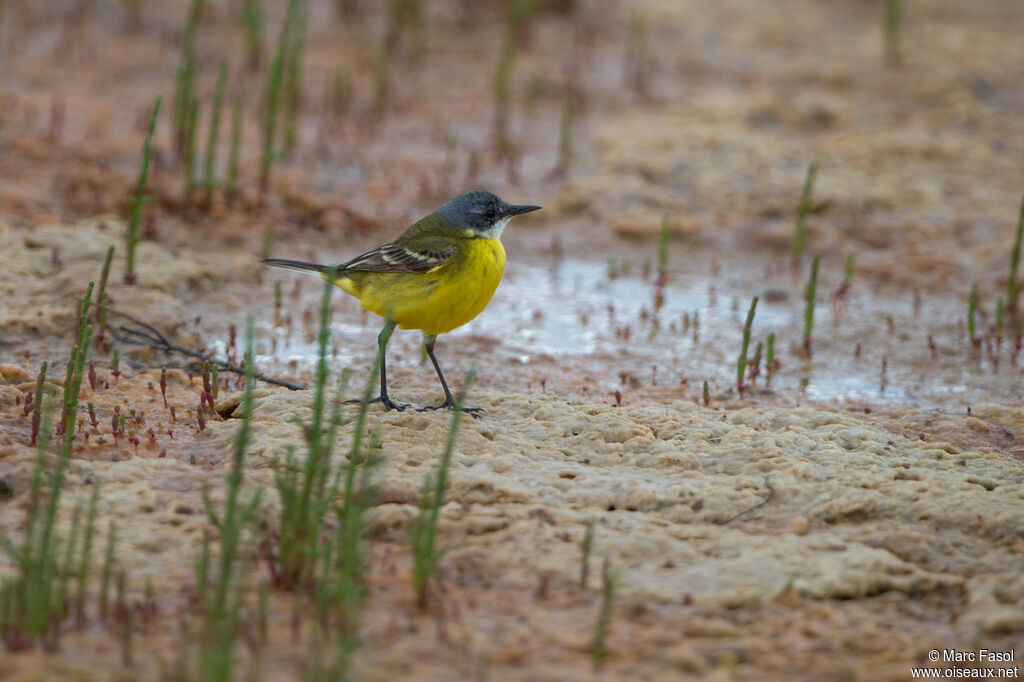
pixel 437 301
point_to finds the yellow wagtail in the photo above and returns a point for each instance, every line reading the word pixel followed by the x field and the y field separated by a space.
pixel 436 276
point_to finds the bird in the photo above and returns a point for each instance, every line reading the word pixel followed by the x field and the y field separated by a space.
pixel 435 277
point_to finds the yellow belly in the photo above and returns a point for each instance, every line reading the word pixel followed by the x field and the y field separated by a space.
pixel 437 301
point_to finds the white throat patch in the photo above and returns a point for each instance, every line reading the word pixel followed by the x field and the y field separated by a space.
pixel 494 232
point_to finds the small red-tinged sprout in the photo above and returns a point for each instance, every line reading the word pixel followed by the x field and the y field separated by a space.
pixel 149 229
pixel 129 278
pixel 170 434
pixel 59 430
pixel 93 421
pixel 618 398
pixel 29 403
pixel 106 385
pixel 200 417
pixel 115 365
pixel 163 385
pixel 654 375
pixel 683 382
pixel 541 593
pixel 92 376
pixel 163 453
pixel 36 419
pixel 152 436
pixel 134 440
pixel 543 385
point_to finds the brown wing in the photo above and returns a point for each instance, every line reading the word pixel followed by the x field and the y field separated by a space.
pixel 392 258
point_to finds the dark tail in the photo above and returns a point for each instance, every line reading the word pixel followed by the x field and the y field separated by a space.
pixel 299 265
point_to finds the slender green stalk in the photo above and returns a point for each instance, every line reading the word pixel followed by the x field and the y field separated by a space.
pixel 100 317
pixel 214 132
pixel 706 394
pixel 1012 286
pixel 812 292
pixel 972 314
pixel 423 528
pixel 190 148
pixel 754 367
pixel 85 559
pixel 272 102
pixel 293 72
pixel 800 229
pixel 28 604
pixel 231 183
pixel 586 547
pixel 252 19
pixel 38 596
pixel 344 565
pixel 565 129
pixel 302 498
pixel 76 366
pixel 769 356
pixel 741 360
pixel 63 600
pixel 184 91
pixel 893 19
pixel 663 242
pixel 223 598
pixel 109 564
pixel 133 14
pixel 599 642
pixel 637 60
pixel 268 240
pixel 851 266
pixel 1000 314
pixel 134 225
pixel 381 76
pixel 37 403
pixel 519 11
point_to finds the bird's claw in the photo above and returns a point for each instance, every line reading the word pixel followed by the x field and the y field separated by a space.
pixel 474 412
pixel 383 400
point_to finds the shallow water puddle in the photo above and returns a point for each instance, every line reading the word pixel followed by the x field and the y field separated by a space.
pixel 872 346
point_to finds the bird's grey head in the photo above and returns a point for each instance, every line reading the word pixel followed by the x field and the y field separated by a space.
pixel 480 212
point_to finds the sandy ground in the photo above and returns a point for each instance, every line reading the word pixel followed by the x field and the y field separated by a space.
pixel 804 531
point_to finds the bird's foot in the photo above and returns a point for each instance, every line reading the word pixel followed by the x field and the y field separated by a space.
pixel 383 400
pixel 474 412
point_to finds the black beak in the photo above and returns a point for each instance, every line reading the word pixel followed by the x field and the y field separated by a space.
pixel 516 210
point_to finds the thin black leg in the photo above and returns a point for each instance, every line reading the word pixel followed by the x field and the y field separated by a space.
pixel 382 346
pixel 449 399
